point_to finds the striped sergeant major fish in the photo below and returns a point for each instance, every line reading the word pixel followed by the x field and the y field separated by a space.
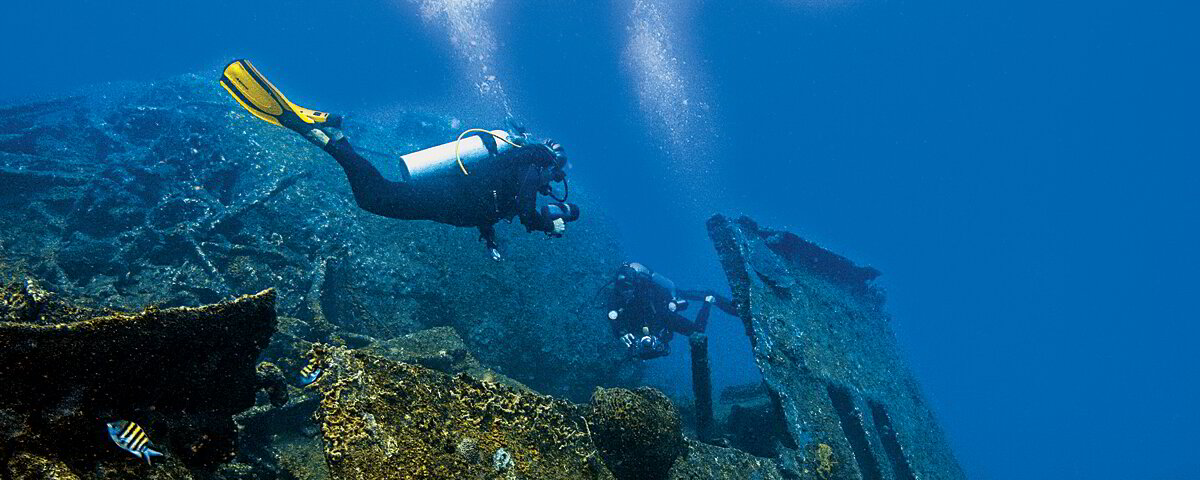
pixel 310 373
pixel 131 438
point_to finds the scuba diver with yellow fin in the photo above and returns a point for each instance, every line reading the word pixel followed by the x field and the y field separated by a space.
pixel 475 181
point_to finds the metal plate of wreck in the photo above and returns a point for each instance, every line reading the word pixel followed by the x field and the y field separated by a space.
pixel 852 407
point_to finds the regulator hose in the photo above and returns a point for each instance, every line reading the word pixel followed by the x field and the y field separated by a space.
pixel 559 168
pixel 566 192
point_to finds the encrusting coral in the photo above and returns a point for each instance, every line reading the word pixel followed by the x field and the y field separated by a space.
pixel 639 432
pixel 388 420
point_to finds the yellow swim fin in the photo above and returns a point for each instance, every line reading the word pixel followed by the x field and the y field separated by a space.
pixel 258 96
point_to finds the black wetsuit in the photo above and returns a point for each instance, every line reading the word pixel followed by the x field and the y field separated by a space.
pixel 499 189
pixel 642 301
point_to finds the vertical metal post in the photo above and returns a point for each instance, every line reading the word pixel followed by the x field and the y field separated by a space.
pixel 702 386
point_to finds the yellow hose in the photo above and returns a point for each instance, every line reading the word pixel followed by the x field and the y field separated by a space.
pixel 457 143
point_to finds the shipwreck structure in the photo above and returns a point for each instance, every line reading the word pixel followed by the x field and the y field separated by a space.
pixel 438 362
pixel 847 405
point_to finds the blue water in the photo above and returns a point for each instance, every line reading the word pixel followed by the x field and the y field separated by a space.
pixel 1024 173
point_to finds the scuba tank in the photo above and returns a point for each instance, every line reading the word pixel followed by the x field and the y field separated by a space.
pixel 443 160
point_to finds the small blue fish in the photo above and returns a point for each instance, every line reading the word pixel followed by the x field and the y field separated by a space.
pixel 131 438
pixel 310 373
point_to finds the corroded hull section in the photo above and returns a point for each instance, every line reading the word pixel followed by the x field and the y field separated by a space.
pixel 852 407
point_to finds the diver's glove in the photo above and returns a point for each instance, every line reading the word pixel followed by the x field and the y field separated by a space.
pixel 628 340
pixel 552 218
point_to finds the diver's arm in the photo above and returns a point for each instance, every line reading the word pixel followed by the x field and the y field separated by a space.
pixel 530 181
pixel 616 322
pixel 533 220
pixel 537 166
pixel 619 327
pixel 549 219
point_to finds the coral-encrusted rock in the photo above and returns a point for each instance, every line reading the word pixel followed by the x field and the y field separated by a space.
pixel 638 431
pixel 180 373
pixel 388 420
pixel 704 462
pixel 286 439
pixel 440 349
pixel 26 466
pixel 271 380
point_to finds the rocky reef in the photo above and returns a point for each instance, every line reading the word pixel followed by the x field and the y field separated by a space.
pixel 170 194
pixel 418 406
pixel 180 373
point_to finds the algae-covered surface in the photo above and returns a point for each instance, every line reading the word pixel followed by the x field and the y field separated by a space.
pixel 180 373
pixel 388 420
pixel 702 461
pixel 639 432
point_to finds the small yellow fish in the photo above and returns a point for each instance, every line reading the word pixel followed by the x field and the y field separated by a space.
pixel 131 438
pixel 310 373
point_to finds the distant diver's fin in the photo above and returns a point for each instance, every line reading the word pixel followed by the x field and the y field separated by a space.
pixel 258 96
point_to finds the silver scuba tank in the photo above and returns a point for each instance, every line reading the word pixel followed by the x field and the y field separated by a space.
pixel 440 160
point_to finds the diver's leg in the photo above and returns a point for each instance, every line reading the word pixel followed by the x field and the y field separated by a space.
pixel 258 96
pixel 701 322
pixel 681 325
pixel 372 192
pixel 723 303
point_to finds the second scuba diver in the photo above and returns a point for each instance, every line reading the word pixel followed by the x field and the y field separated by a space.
pixel 507 169
pixel 644 310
